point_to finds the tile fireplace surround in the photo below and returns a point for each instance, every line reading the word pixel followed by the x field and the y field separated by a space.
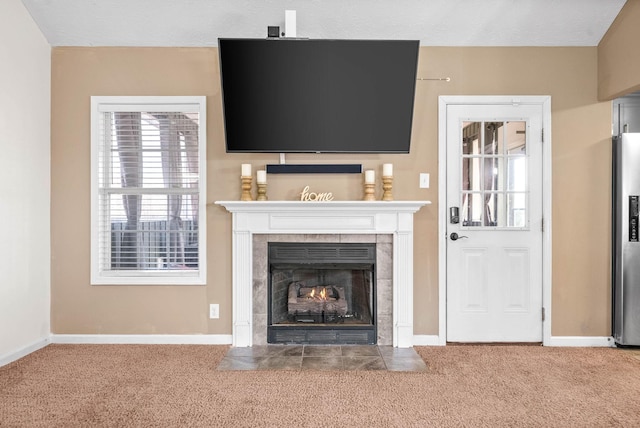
pixel 315 219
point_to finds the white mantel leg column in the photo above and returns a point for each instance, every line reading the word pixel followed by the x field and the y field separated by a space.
pixel 403 284
pixel 242 288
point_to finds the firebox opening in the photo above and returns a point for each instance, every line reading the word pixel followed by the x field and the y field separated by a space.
pixel 321 293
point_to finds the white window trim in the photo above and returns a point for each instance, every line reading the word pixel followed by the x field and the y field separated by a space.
pixel 101 104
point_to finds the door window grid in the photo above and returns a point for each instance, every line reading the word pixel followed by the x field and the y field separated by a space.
pixel 494 181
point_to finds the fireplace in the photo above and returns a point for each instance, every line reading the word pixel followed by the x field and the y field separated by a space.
pixel 322 293
pixel 256 223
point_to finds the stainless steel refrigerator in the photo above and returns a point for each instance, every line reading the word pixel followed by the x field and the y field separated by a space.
pixel 626 239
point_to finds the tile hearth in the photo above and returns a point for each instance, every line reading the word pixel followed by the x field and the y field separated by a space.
pixel 322 357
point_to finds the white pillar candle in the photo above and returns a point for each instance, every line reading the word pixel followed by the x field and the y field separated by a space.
pixel 387 170
pixel 369 176
pixel 261 176
pixel 246 170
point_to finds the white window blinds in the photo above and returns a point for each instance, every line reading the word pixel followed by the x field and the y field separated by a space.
pixel 148 192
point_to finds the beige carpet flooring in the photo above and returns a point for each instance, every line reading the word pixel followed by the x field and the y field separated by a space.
pixel 174 386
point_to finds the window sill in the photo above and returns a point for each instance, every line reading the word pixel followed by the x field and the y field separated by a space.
pixel 145 278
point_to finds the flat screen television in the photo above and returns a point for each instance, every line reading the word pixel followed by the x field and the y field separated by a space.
pixel 318 96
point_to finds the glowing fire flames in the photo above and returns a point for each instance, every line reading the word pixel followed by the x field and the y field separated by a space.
pixel 321 295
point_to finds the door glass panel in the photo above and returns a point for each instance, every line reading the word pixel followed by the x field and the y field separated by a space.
pixel 516 137
pixel 472 206
pixel 494 209
pixel 471 174
pixel 494 174
pixel 493 138
pixel 490 208
pixel 517 174
pixel 471 138
pixel 517 203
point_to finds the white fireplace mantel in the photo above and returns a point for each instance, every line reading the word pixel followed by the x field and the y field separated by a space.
pixel 334 217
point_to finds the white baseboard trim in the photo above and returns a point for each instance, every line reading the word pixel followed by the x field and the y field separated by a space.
pixel 581 341
pixel 226 339
pixel 559 341
pixel 427 340
pixel 23 352
pixel 143 339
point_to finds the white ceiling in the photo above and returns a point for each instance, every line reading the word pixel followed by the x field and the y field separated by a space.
pixel 433 22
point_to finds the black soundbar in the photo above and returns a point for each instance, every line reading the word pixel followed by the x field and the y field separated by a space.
pixel 314 169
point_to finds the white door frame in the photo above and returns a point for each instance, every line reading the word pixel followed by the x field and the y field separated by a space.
pixel 545 103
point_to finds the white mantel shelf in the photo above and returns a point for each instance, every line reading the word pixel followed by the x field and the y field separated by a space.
pixel 323 205
pixel 334 217
pixel 364 205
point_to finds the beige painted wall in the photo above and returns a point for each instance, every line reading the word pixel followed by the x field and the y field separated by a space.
pixel 581 131
pixel 619 54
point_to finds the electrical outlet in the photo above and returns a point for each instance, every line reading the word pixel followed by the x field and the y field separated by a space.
pixel 214 311
pixel 424 180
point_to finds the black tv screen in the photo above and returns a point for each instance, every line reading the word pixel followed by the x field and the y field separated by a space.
pixel 320 96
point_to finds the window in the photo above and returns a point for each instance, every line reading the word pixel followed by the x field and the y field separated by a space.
pixel 148 190
pixel 494 174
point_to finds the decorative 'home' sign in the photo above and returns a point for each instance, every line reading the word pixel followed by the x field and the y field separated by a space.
pixel 307 196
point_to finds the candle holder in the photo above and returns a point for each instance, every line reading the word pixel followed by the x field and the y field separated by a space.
pixel 369 192
pixel 387 185
pixel 262 192
pixel 246 189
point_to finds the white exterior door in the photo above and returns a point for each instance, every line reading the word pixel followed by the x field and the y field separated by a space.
pixel 494 223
